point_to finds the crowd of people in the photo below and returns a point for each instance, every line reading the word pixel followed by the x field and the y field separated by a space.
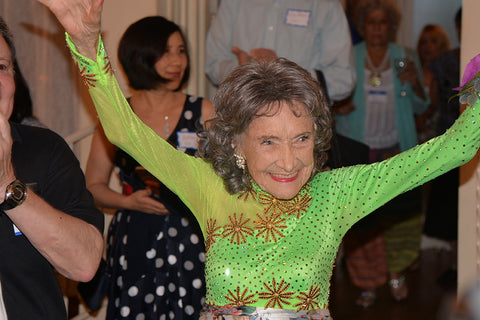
pixel 381 114
pixel 234 208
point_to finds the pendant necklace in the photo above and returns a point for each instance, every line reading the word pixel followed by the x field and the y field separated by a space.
pixel 166 127
pixel 375 78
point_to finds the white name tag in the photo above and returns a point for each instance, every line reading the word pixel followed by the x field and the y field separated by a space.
pixel 187 140
pixel 298 18
pixel 16 231
pixel 377 97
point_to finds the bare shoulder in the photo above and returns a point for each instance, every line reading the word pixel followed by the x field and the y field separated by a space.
pixel 208 111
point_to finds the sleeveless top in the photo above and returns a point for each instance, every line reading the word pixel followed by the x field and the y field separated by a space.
pixel 148 253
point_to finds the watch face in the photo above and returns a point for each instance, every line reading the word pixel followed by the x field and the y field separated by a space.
pixel 15 195
pixel 18 192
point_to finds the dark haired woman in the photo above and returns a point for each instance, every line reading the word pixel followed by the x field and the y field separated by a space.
pixel 155 247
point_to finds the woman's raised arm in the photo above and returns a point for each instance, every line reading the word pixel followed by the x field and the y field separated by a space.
pixel 81 20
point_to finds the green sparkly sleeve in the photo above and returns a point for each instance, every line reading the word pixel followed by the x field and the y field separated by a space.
pixel 357 191
pixel 183 174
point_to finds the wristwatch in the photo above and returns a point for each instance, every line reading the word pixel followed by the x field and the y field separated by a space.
pixel 15 194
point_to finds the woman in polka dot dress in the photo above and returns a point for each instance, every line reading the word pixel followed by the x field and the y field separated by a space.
pixel 155 248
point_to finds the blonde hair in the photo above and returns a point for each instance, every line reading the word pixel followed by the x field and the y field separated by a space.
pixel 438 32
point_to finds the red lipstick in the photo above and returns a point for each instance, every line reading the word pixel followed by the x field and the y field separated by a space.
pixel 285 179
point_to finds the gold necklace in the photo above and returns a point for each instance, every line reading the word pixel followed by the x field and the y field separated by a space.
pixel 375 78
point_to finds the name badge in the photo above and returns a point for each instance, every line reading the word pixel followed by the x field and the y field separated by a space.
pixel 377 97
pixel 187 140
pixel 16 231
pixel 298 18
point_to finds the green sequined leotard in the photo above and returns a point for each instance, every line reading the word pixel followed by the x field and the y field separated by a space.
pixel 264 252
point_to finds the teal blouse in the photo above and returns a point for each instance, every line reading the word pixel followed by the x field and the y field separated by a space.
pixel 352 125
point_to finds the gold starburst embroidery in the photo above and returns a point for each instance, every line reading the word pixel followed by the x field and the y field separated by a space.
pixel 212 233
pixel 271 203
pixel 276 295
pixel 237 229
pixel 308 299
pixel 107 68
pixel 270 226
pixel 240 299
pixel 247 194
pixel 88 78
pixel 298 205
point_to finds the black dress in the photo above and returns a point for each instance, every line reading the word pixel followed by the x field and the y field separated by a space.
pixel 441 218
pixel 157 261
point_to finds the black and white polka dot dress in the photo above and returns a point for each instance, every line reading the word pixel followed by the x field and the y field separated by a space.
pixel 157 262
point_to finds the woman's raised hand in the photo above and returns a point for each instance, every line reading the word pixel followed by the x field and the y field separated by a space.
pixel 81 19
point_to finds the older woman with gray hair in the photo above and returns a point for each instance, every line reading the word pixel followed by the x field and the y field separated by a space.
pixel 388 94
pixel 272 218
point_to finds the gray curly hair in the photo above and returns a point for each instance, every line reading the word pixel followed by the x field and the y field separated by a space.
pixel 254 90
pixel 364 7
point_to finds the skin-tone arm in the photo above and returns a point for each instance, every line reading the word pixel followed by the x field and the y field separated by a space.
pixel 344 106
pixel 208 111
pixel 262 54
pixel 99 168
pixel 255 54
pixel 241 55
pixel 97 175
pixel 73 246
pixel 421 119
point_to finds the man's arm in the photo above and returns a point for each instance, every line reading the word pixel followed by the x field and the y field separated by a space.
pixel 333 52
pixel 220 59
pixel 73 246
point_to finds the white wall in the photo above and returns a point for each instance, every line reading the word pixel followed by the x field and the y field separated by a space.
pixel 441 12
pixel 116 17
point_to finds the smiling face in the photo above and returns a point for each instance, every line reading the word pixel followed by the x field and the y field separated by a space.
pixel 173 63
pixel 7 82
pixel 278 149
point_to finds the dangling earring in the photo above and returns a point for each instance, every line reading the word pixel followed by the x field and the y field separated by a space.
pixel 240 161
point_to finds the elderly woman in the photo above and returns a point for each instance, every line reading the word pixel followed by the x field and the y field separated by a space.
pixel 272 220
pixel 388 94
